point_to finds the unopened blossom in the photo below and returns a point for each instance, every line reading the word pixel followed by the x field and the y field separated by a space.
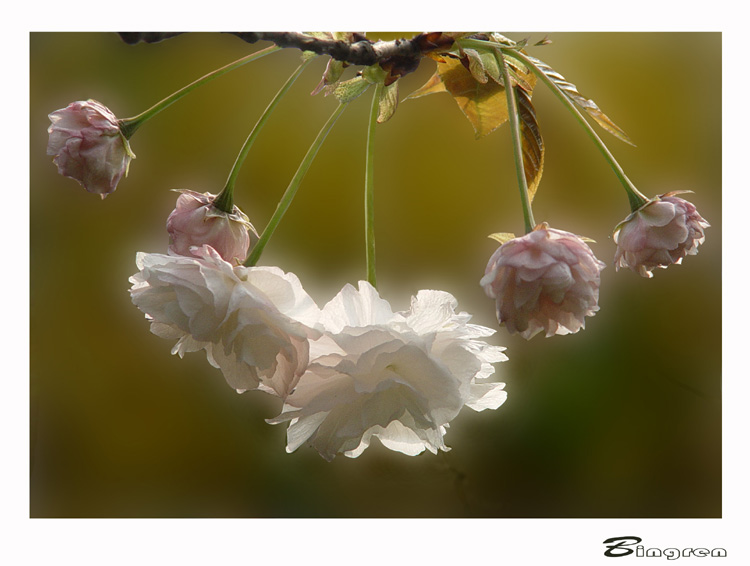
pixel 88 146
pixel 254 323
pixel 399 377
pixel 546 281
pixel 659 234
pixel 195 221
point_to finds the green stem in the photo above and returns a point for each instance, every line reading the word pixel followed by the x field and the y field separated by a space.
pixel 370 187
pixel 225 199
pixel 291 190
pixel 515 132
pixel 635 197
pixel 128 126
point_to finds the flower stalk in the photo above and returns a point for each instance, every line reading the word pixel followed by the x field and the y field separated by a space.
pixel 288 196
pixel 370 187
pixel 635 197
pixel 225 200
pixel 515 131
pixel 128 126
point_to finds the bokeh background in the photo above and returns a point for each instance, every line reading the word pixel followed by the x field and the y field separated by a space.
pixel 620 420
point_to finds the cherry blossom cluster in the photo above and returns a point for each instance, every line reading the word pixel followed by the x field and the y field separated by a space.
pixel 548 280
pixel 354 369
pixel 347 372
pixel 545 281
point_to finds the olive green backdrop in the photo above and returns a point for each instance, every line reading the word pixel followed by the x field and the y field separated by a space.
pixel 620 420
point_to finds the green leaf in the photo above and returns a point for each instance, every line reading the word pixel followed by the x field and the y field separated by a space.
pixel 532 144
pixel 347 91
pixel 333 72
pixel 484 64
pixel 570 90
pixel 522 76
pixel 492 66
pixel 476 65
pixel 501 39
pixel 374 74
pixel 388 102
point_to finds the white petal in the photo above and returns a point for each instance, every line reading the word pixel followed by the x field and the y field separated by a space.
pixel 394 437
pixel 356 308
pixel 431 311
pixel 300 430
pixel 285 291
pixel 486 396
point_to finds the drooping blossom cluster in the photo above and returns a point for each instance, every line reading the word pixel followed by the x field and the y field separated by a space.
pixel 249 321
pixel 661 233
pixel 88 146
pixel 346 373
pixel 355 369
pixel 195 221
pixel 399 377
pixel 546 281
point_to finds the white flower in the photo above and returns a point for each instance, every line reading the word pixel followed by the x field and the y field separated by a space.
pixel 253 322
pixel 401 377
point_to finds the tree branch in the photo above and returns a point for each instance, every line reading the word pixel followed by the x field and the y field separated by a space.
pixel 398 57
pixel 133 37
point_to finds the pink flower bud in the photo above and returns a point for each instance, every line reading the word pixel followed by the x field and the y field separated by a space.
pixel 195 221
pixel 659 234
pixel 546 280
pixel 88 146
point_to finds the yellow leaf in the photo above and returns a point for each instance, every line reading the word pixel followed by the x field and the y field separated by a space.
pixel 502 237
pixel 532 144
pixel 482 103
pixel 434 84
pixel 521 75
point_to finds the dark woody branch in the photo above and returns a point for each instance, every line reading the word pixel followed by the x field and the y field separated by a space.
pixel 398 57
pixel 358 51
pixel 133 37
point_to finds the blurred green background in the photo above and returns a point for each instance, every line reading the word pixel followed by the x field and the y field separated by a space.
pixel 620 420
